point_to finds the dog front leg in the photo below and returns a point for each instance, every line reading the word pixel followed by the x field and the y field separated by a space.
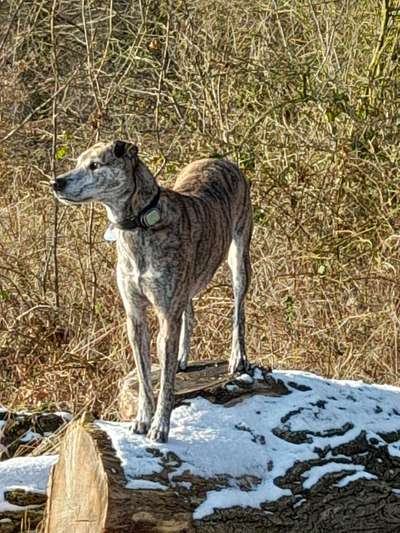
pixel 135 307
pixel 139 340
pixel 167 347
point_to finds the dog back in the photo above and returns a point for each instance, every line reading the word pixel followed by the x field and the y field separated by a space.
pixel 216 206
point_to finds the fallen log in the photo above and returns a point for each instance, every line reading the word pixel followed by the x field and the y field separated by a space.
pixel 280 452
pixel 24 512
pixel 23 483
pixel 23 480
pixel 22 432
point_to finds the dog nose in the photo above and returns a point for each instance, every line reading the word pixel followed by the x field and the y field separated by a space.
pixel 59 184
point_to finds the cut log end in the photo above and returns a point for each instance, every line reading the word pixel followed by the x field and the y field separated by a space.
pixel 88 494
pixel 79 485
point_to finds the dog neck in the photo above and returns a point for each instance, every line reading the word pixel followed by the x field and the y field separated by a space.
pixel 132 205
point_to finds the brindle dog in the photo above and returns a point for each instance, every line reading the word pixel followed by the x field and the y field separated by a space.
pixel 170 243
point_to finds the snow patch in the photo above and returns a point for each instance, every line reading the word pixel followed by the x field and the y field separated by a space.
pixel 65 415
pixel 315 473
pixel 131 450
pixel 245 378
pixel 29 436
pixel 251 444
pixel 185 484
pixel 145 484
pixel 394 449
pixel 361 474
pixel 256 437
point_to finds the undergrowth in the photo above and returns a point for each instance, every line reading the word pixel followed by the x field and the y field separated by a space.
pixel 303 95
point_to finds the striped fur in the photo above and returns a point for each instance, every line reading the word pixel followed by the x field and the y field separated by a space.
pixel 205 219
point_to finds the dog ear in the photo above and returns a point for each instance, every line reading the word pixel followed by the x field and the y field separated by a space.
pixel 122 148
pixel 119 148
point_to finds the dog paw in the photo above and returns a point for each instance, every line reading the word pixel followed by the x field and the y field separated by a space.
pixel 182 366
pixel 237 365
pixel 158 432
pixel 140 427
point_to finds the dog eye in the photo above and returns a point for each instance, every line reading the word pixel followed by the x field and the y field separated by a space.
pixel 94 165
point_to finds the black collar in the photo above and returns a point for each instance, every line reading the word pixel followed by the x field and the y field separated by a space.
pixel 146 218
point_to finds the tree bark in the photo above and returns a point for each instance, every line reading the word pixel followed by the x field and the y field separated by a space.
pixel 88 491
pixel 28 517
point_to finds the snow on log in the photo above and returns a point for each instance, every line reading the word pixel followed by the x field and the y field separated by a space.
pixel 23 480
pixel 23 483
pixel 278 452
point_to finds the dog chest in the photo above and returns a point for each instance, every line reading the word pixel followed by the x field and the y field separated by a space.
pixel 140 263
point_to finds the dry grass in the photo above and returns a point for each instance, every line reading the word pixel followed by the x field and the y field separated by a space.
pixel 304 95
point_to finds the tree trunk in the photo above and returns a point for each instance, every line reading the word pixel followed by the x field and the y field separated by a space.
pixel 352 483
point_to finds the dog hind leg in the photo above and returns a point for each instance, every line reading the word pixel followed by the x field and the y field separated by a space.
pixel 186 333
pixel 239 263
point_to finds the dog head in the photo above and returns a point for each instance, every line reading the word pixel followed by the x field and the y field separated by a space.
pixel 104 173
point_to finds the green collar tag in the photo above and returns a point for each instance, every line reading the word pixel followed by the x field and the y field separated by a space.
pixel 151 217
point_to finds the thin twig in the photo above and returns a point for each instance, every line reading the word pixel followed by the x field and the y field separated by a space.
pixel 39 107
pixel 54 67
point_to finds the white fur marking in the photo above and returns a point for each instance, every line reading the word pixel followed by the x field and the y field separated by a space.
pixel 110 235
